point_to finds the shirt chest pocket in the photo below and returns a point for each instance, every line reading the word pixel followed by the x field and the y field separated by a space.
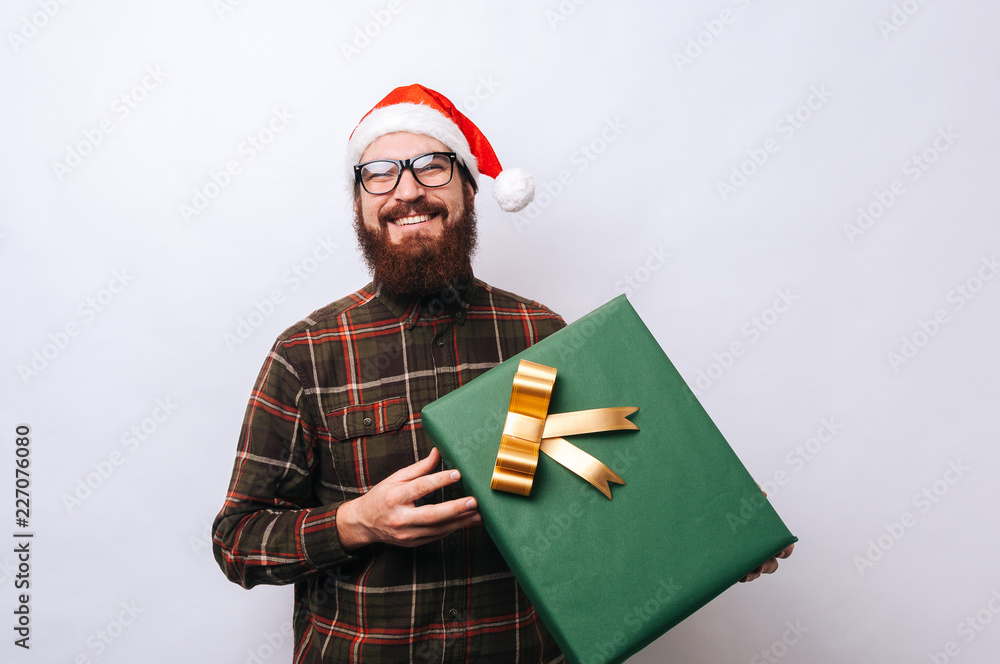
pixel 367 419
pixel 370 442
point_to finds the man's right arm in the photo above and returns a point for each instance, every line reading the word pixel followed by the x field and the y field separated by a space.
pixel 272 528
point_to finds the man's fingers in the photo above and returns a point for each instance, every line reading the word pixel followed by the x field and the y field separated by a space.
pixel 770 566
pixel 417 535
pixel 448 526
pixel 415 470
pixel 442 513
pixel 421 486
pixel 433 534
pixel 754 574
pixel 389 511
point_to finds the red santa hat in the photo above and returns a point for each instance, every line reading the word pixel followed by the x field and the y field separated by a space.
pixel 420 110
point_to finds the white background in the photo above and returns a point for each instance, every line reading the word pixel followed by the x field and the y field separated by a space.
pixel 549 79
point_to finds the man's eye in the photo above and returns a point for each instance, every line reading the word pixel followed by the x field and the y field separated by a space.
pixel 379 173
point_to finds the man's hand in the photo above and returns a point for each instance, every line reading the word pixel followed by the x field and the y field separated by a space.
pixel 387 513
pixel 769 566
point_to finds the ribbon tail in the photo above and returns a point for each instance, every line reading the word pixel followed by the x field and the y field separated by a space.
pixel 581 463
pixel 589 421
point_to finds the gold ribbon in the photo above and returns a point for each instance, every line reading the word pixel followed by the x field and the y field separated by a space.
pixel 529 429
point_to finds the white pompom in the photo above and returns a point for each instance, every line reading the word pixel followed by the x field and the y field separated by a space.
pixel 513 189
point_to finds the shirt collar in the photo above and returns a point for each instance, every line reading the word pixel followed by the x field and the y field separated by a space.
pixel 452 301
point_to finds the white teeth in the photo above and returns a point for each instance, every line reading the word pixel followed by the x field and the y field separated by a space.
pixel 417 219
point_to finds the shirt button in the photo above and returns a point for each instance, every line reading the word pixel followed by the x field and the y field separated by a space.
pixel 368 421
pixel 460 314
pixel 453 614
pixel 440 341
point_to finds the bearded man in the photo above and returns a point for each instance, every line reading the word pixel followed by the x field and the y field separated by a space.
pixel 336 487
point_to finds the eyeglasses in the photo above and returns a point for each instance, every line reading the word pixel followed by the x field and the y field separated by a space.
pixel 380 176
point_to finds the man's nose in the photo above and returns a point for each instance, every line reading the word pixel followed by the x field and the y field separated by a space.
pixel 408 188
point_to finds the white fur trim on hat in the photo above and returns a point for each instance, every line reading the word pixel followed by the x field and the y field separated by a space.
pixel 514 188
pixel 413 118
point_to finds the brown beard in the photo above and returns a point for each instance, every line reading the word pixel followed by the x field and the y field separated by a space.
pixel 423 265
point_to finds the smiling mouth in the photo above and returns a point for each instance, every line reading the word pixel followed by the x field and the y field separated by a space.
pixel 414 219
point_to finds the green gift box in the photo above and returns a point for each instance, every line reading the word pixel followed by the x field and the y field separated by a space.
pixel 610 576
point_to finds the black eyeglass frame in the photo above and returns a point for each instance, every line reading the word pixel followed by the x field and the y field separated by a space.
pixel 403 165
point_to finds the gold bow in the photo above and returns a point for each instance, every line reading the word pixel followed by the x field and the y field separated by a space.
pixel 530 429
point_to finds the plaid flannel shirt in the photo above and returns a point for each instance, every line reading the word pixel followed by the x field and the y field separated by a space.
pixel 336 409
